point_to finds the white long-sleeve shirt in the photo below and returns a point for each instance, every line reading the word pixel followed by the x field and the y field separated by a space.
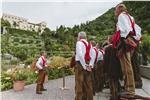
pixel 124 25
pixel 80 53
pixel 100 55
pixel 138 32
pixel 39 63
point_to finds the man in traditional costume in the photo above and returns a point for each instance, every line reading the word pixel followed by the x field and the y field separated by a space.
pixel 124 41
pixel 41 64
pixel 83 68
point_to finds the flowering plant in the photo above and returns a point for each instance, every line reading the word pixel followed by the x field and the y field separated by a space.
pixel 19 75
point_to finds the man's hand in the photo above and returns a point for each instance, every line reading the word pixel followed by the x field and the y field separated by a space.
pixel 46 65
pixel 89 69
pixel 91 66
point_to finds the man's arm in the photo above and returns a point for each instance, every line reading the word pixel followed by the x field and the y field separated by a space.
pixel 100 56
pixel 93 57
pixel 38 64
pixel 138 32
pixel 124 25
pixel 80 54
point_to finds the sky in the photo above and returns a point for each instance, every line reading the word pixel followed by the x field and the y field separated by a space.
pixel 58 13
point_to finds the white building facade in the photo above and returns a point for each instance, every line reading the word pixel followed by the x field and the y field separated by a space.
pixel 22 23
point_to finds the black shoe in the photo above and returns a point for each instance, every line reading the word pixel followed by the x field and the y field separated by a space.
pixel 44 89
pixel 39 92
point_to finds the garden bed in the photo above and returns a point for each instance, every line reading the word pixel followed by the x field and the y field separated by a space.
pixel 54 73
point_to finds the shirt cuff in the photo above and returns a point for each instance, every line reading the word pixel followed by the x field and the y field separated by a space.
pixel 84 67
pixel 46 65
pixel 39 67
pixel 91 65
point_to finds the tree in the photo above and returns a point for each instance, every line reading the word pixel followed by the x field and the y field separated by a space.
pixel 46 37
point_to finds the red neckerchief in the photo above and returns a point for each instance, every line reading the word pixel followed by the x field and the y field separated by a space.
pixel 88 47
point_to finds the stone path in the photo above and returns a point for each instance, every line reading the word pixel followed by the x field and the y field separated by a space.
pixel 55 93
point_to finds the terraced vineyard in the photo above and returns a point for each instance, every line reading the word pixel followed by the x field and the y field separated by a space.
pixel 24 45
pixel 26 41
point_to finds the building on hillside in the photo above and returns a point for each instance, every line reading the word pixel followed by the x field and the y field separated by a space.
pixel 23 23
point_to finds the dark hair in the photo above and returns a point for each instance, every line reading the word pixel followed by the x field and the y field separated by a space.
pixel 100 45
pixel 93 42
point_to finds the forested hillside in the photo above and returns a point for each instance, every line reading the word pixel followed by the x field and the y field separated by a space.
pixel 105 25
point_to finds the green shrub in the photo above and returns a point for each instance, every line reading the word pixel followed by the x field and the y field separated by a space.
pixel 14 62
pixel 6 81
pixel 28 61
pixel 23 41
pixel 58 61
pixel 68 71
pixel 145 48
pixel 31 77
pixel 16 39
pixel 30 41
pixel 19 52
pixel 55 73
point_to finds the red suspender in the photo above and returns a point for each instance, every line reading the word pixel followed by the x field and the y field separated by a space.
pixel 44 61
pixel 96 54
pixel 102 51
pixel 87 54
pixel 132 23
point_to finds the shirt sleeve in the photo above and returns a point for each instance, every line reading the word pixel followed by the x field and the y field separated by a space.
pixel 124 25
pixel 93 57
pixel 79 53
pixel 100 56
pixel 38 63
pixel 46 64
pixel 138 32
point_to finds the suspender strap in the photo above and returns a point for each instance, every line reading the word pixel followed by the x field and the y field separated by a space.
pixel 96 54
pixel 102 51
pixel 87 54
pixel 132 23
pixel 44 61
